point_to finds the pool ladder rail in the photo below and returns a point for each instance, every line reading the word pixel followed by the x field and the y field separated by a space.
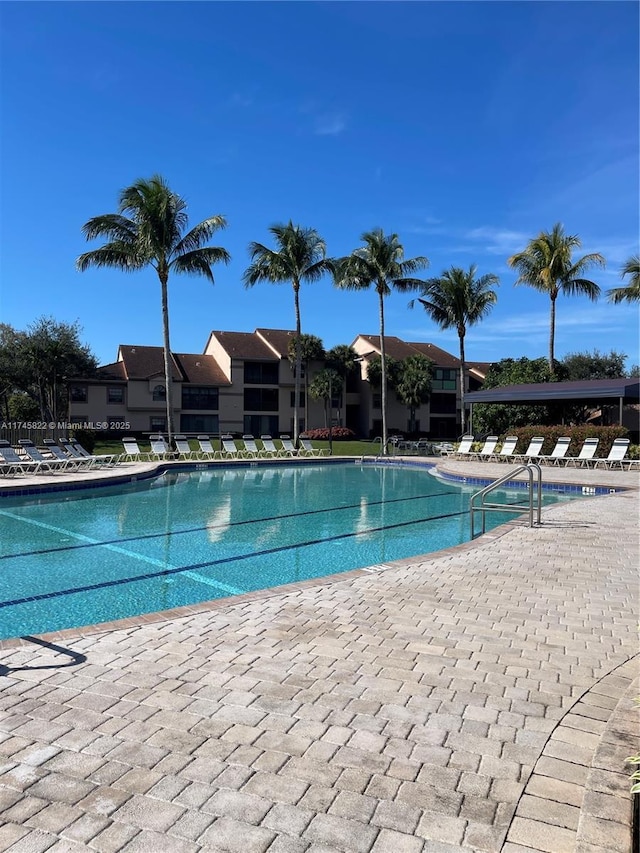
pixel 534 502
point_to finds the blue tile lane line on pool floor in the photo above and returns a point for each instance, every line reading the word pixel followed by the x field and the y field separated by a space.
pixel 234 559
pixel 92 543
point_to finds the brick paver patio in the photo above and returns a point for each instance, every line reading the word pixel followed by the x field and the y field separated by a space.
pixel 479 699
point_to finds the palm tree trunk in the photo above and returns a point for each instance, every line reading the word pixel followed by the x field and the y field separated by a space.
pixel 552 335
pixel 296 386
pixel 168 373
pixel 463 416
pixel 383 375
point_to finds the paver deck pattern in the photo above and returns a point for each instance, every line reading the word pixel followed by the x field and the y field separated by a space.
pixel 459 701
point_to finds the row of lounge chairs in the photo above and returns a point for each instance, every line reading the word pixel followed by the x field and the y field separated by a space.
pixel 67 455
pixel 586 458
pixel 230 448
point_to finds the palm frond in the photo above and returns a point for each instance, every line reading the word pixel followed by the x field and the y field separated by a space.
pixel 111 225
pixel 199 261
pixel 198 235
pixel 116 255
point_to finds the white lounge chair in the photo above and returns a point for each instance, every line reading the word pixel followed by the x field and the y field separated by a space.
pixel 77 451
pixel 287 446
pixel 206 448
pixel 183 448
pixel 229 448
pixel 132 452
pixel 558 453
pixel 464 448
pixel 268 446
pixel 159 447
pixel 616 454
pixel 507 451
pixel 250 449
pixel 487 449
pixel 587 452
pixel 73 463
pixel 533 451
pixel 307 449
pixel 13 463
pixel 47 466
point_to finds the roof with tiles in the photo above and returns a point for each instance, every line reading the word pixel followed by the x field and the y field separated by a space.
pixel 439 356
pixel 247 345
pixel 397 348
pixel 145 362
pixel 113 371
pixel 201 369
pixel 278 340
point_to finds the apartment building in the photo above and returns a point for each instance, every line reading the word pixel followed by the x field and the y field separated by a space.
pixel 244 382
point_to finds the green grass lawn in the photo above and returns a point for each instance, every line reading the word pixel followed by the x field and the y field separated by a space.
pixel 340 448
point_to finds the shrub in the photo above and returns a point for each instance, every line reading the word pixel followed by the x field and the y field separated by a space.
pixel 322 433
pixel 86 437
pixel 578 433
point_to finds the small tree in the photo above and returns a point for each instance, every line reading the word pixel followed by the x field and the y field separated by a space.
pixel 323 386
pixel 47 356
pixel 413 384
pixel 311 349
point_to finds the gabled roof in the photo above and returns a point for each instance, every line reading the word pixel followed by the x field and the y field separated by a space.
pixel 277 339
pixel 145 362
pixel 399 349
pixel 394 347
pixel 200 369
pixel 138 363
pixel 440 356
pixel 592 390
pixel 245 345
pixel 113 371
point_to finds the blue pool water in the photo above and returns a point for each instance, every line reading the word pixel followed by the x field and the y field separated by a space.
pixel 102 554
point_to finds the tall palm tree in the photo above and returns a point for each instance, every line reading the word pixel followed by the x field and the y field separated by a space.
pixel 546 264
pixel 300 256
pixel 149 230
pixel 631 291
pixel 381 263
pixel 457 300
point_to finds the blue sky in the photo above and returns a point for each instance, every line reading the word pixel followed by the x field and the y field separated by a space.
pixel 464 127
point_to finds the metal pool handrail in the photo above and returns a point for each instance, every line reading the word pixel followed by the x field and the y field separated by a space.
pixel 530 467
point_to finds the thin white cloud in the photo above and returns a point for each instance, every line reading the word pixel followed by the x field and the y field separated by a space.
pixel 329 124
pixel 498 241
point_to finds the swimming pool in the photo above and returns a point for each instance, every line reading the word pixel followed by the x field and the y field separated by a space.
pixel 84 557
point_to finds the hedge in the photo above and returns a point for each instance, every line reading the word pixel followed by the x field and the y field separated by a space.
pixel 605 434
pixel 322 433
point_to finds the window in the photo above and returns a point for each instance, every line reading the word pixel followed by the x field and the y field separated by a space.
pixel 115 394
pixel 261 399
pixel 444 379
pixel 260 373
pixel 260 425
pixel 199 398
pixel 78 393
pixel 293 399
pixel 158 424
pixel 159 393
pixel 199 423
pixel 376 401
pixel 443 404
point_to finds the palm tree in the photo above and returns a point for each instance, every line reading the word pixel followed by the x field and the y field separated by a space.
pixel 148 230
pixel 546 264
pixel 413 385
pixel 631 291
pixel 457 300
pixel 300 256
pixel 381 263
pixel 311 349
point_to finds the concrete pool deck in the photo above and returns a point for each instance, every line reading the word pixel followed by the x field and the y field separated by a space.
pixel 476 699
